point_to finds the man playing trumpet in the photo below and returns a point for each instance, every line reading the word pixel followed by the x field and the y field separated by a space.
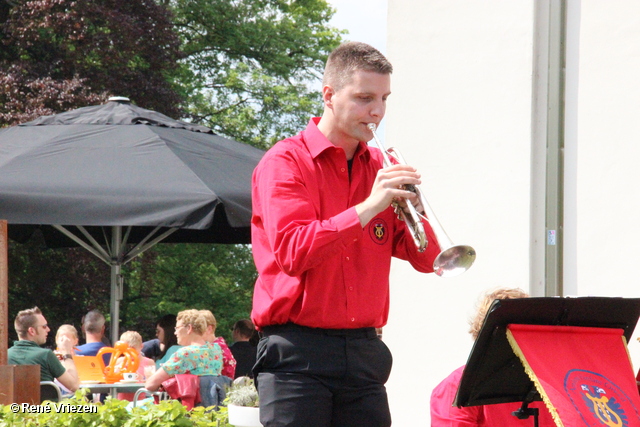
pixel 323 234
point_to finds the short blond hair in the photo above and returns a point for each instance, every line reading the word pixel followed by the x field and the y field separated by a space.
pixel 67 329
pixel 209 318
pixel 193 318
pixel 350 57
pixel 485 302
pixel 132 338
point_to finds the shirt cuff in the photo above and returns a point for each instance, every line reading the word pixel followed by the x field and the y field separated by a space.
pixel 348 225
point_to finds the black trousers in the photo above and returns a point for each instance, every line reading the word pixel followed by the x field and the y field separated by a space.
pixel 309 377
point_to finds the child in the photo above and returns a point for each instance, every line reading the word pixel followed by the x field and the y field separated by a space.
pixel 146 367
pixel 72 333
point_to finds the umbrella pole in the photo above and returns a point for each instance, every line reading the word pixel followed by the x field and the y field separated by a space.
pixel 116 285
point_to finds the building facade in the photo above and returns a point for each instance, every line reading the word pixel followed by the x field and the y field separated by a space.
pixel 522 117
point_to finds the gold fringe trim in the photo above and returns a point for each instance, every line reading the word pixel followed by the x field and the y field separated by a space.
pixel 626 347
pixel 545 398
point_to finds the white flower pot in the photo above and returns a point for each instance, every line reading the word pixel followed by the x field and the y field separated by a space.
pixel 244 416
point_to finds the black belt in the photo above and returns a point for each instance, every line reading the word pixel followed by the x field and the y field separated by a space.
pixel 292 327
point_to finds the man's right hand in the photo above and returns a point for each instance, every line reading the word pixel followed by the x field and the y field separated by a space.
pixel 387 187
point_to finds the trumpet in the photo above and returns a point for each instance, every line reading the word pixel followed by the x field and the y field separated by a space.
pixel 453 259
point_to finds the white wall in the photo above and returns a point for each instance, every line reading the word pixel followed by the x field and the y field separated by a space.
pixel 607 125
pixel 461 112
pixel 604 68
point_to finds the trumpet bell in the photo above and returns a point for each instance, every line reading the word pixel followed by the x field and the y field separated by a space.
pixel 451 261
pixel 454 260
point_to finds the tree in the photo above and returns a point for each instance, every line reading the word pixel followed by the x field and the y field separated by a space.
pixel 252 62
pixel 242 68
pixel 62 54
pixel 65 284
pixel 174 277
pixel 56 55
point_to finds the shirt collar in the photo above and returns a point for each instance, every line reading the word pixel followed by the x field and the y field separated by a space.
pixel 317 143
pixel 26 343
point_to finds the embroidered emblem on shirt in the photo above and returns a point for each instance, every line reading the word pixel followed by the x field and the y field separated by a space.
pixel 379 231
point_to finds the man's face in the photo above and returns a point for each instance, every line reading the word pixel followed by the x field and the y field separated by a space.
pixel 40 330
pixel 362 100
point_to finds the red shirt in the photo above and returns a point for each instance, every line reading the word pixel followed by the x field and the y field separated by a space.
pixel 228 361
pixel 443 414
pixel 317 266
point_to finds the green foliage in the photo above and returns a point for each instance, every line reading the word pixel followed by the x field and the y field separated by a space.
pixel 114 413
pixel 63 54
pixel 174 277
pixel 252 62
pixel 241 67
pixel 64 283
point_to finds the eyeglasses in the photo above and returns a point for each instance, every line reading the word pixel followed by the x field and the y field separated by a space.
pixel 180 326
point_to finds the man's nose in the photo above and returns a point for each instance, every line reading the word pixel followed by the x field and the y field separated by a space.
pixel 378 109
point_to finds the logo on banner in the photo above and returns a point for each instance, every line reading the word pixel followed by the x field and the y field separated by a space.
pixel 379 231
pixel 599 401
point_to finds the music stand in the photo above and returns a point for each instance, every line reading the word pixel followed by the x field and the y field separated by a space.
pixel 494 374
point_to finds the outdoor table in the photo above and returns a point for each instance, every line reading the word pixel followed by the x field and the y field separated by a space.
pixel 114 388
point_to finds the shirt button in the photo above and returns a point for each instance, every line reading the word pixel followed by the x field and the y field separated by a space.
pixel 353 319
pixel 350 288
pixel 355 240
pixel 342 170
pixel 347 258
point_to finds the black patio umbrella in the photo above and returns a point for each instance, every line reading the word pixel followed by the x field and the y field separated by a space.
pixel 116 179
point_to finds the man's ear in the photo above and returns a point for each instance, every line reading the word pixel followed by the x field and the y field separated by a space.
pixel 327 95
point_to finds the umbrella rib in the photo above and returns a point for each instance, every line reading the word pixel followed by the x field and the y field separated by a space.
pixel 143 245
pixel 107 242
pixel 123 242
pixel 96 249
pixel 126 236
pixel 95 243
pixel 135 251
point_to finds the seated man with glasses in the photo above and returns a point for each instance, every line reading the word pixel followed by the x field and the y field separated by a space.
pixel 32 330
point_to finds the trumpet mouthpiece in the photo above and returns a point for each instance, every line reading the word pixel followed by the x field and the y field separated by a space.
pixel 372 126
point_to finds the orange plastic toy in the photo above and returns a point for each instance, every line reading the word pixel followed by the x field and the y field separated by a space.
pixel 113 372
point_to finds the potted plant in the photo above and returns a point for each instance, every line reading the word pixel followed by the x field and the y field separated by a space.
pixel 243 403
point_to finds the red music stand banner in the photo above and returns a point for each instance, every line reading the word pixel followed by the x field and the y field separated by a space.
pixel 584 374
